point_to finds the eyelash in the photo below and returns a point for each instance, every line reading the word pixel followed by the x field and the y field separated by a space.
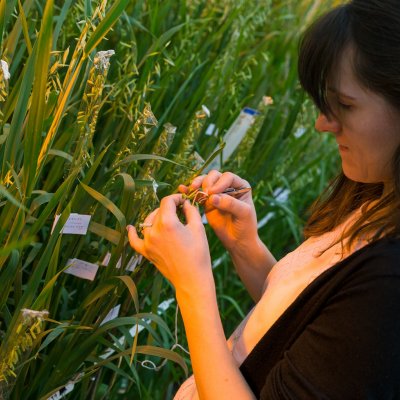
pixel 344 106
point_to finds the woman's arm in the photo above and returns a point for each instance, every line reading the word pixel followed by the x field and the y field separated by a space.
pixel 180 252
pixel 216 373
pixel 253 264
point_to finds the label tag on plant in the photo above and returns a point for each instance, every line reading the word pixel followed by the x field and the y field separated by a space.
pixel 234 136
pixel 132 264
pixel 63 392
pixel 113 313
pixel 77 224
pixel 82 269
pixel 107 258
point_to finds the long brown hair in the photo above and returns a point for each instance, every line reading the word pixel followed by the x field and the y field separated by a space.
pixel 372 28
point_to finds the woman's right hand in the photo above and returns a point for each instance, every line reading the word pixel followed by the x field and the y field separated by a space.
pixel 234 220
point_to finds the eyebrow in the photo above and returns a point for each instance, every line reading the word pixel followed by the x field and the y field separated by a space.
pixel 333 90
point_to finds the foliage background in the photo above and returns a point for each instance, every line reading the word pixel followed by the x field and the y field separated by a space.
pixel 82 137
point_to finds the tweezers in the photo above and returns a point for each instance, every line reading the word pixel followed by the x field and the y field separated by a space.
pixel 202 197
pixel 236 192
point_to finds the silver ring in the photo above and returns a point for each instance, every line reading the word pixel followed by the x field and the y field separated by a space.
pixel 145 225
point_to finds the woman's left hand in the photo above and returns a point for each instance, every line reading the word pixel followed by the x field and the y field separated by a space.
pixel 179 251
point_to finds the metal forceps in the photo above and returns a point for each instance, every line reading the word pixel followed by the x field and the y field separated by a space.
pixel 201 197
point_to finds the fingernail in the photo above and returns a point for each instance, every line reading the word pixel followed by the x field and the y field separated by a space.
pixel 128 227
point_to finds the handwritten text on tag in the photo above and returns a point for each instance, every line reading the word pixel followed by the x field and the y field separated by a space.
pixel 82 269
pixel 77 224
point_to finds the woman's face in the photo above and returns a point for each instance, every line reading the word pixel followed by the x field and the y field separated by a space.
pixel 365 125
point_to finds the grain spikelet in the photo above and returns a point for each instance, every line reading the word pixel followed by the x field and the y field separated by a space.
pixel 19 345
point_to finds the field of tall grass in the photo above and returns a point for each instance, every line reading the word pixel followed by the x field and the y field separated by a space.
pixel 105 107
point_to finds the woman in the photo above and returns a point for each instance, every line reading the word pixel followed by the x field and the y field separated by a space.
pixel 326 324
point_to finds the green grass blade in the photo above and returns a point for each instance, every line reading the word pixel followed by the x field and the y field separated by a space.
pixel 7 276
pixel 34 129
pixel 163 353
pixel 105 232
pixel 2 21
pixel 160 42
pixel 14 139
pixel 60 21
pixel 25 29
pixel 17 245
pixel 97 294
pixel 105 25
pixel 5 193
pixel 52 204
pixel 107 203
pixel 60 153
pixel 140 157
pixel 132 289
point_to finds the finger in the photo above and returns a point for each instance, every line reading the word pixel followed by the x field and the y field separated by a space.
pixel 196 183
pixel 225 181
pixel 149 220
pixel 136 243
pixel 210 180
pixel 168 207
pixel 192 214
pixel 229 204
pixel 183 189
pixel 151 217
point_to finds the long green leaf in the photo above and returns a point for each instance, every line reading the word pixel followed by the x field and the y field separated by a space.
pixel 105 232
pixel 97 294
pixel 132 289
pixel 52 204
pixel 139 157
pixel 60 153
pixel 7 276
pixel 161 41
pixel 2 20
pixel 34 128
pixel 163 353
pixel 106 24
pixel 60 20
pixel 5 193
pixel 25 27
pixel 107 203
pixel 14 138
pixel 17 245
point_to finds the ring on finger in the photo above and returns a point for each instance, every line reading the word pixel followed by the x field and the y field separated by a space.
pixel 145 225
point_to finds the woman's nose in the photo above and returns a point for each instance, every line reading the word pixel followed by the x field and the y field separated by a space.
pixel 327 124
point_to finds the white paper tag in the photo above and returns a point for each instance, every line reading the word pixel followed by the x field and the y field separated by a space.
pixel 82 269
pixel 163 306
pixel 113 313
pixel 134 262
pixel 234 136
pixel 63 392
pixel 107 258
pixel 211 129
pixel 77 224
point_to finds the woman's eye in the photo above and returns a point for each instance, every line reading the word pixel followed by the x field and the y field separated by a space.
pixel 344 105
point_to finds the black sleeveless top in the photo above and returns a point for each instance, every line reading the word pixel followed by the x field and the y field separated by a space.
pixel 340 339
